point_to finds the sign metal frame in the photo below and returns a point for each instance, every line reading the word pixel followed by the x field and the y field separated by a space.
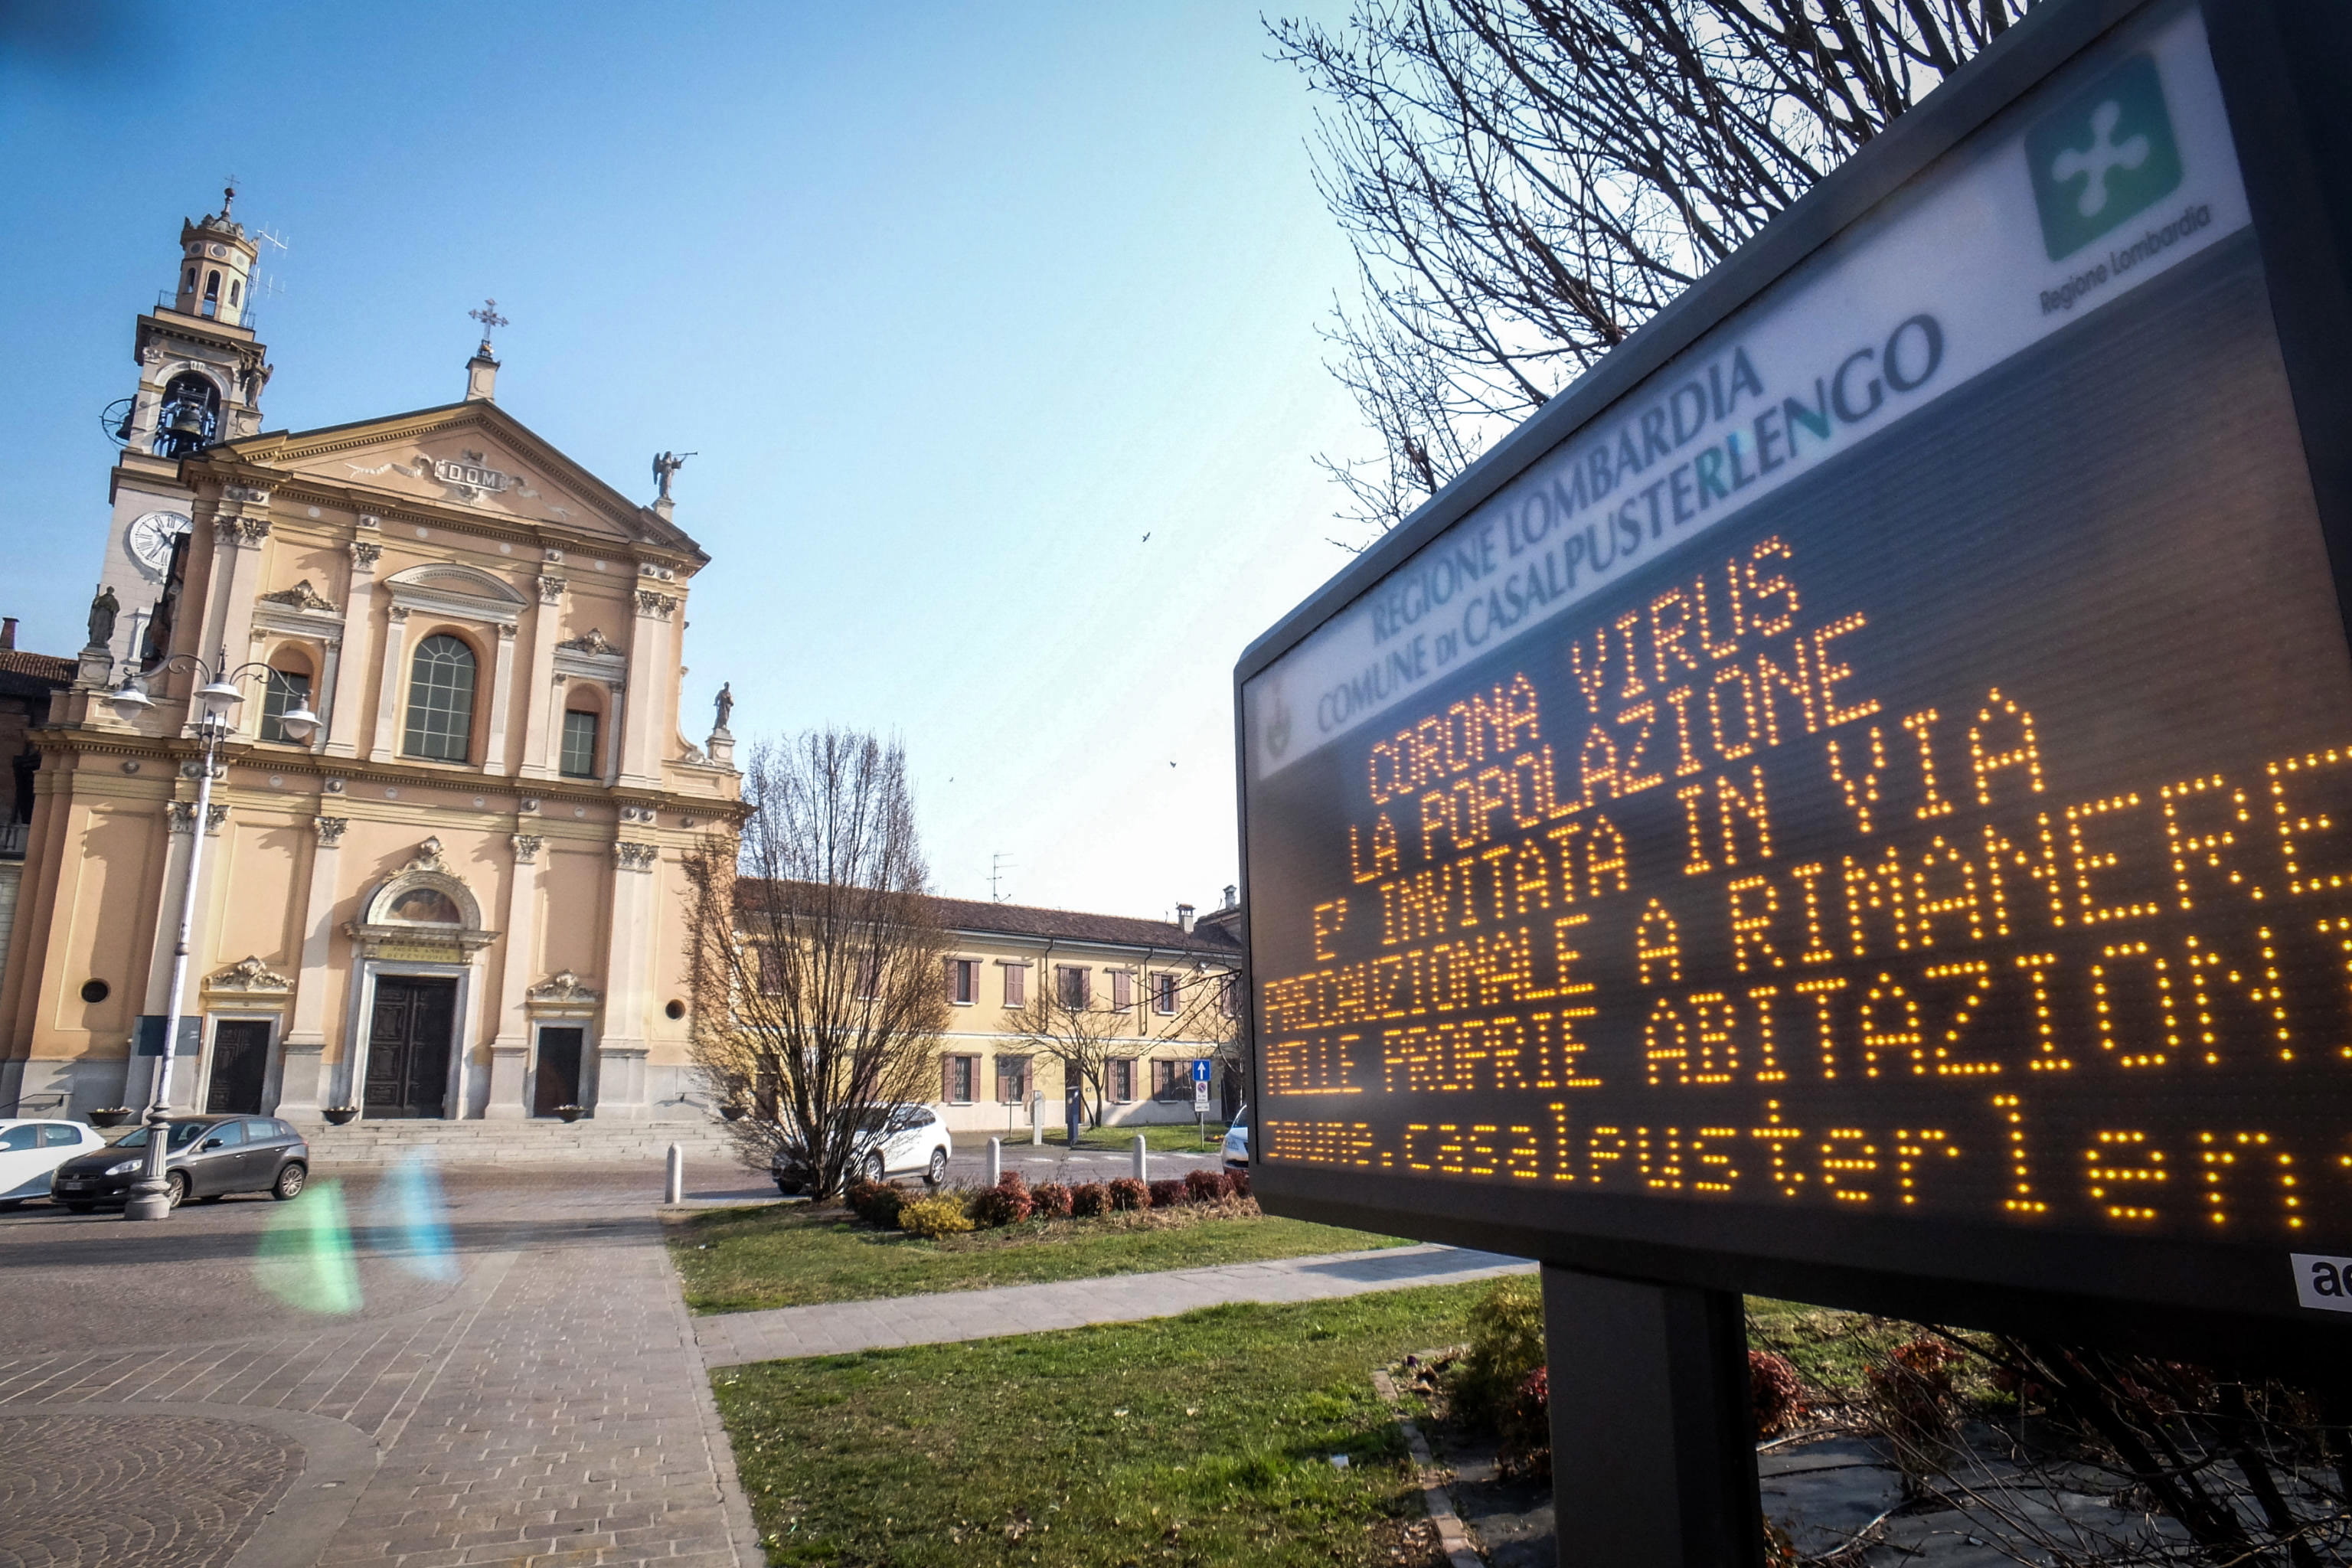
pixel 2286 88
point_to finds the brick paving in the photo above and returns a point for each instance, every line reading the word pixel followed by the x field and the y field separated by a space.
pixel 836 1328
pixel 548 1407
pixel 135 1492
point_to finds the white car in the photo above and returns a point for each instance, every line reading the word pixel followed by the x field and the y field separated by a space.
pixel 1236 1153
pixel 31 1151
pixel 911 1137
pixel 895 1139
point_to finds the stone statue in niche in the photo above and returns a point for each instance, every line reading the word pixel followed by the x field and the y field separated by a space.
pixel 104 610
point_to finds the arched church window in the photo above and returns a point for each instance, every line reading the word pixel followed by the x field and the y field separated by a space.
pixel 190 282
pixel 285 690
pixel 212 292
pixel 440 699
pixel 232 286
pixel 579 745
pixel 189 416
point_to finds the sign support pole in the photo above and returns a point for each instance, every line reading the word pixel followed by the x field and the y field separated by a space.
pixel 1653 1458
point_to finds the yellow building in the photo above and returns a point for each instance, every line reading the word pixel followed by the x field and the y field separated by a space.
pixel 455 898
pixel 1155 997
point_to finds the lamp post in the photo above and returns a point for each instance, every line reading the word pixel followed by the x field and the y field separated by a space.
pixel 217 700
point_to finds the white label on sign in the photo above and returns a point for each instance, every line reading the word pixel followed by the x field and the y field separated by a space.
pixel 2323 1284
pixel 1949 277
pixel 1199 1096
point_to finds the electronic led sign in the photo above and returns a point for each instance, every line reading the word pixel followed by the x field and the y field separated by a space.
pixel 1875 796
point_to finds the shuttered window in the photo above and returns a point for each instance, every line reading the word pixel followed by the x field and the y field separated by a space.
pixel 958 1075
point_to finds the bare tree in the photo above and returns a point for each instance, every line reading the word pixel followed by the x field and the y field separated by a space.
pixel 1075 1029
pixel 1086 1032
pixel 1526 182
pixel 817 954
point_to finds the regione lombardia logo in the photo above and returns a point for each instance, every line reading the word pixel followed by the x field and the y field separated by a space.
pixel 2105 156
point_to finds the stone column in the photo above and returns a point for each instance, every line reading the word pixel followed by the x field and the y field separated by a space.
pixel 239 526
pixel 540 690
pixel 323 699
pixel 305 1045
pixel 621 1048
pixel 510 1048
pixel 615 712
pixel 652 667
pixel 386 739
pixel 496 749
pixel 350 686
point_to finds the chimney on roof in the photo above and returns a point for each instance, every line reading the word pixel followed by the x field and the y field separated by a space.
pixel 1232 898
pixel 1184 918
pixel 8 632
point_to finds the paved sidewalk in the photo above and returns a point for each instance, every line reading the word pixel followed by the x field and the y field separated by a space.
pixel 542 1403
pixel 729 1339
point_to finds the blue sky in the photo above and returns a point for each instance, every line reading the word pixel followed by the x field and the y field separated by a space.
pixel 956 304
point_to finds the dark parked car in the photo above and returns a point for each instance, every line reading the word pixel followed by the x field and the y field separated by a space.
pixel 204 1157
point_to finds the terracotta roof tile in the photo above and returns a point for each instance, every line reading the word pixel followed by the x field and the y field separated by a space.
pixel 46 666
pixel 978 916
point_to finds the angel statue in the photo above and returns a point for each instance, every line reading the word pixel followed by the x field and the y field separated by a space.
pixel 667 464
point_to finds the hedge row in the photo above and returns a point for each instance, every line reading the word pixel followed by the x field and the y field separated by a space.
pixel 1013 1201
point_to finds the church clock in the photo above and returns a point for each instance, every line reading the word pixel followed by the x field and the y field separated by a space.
pixel 149 538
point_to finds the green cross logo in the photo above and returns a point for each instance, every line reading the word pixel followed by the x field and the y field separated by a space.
pixel 2105 156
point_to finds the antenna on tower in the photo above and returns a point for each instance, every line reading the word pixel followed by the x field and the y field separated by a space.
pixel 996 864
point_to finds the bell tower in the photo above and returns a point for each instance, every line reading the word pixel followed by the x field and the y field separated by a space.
pixel 201 372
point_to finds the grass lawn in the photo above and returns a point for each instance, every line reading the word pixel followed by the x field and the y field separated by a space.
pixel 1159 1137
pixel 1204 1440
pixel 736 1260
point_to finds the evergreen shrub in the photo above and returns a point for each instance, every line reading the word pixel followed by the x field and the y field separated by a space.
pixel 941 1214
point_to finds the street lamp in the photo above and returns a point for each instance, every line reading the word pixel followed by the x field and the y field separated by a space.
pixel 216 699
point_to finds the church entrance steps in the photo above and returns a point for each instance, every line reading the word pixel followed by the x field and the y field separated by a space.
pixel 583 1143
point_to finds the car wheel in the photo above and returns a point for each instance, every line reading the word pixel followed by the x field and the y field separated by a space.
pixel 936 1173
pixel 290 1183
pixel 175 1188
pixel 80 1208
pixel 873 1171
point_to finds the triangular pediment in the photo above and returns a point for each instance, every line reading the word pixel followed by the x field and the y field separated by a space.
pixel 472 457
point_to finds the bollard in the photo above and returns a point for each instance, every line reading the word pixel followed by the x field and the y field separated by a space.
pixel 674 1190
pixel 995 1161
pixel 1141 1168
pixel 1036 1117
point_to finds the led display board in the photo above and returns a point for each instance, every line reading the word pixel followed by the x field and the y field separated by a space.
pixel 1861 789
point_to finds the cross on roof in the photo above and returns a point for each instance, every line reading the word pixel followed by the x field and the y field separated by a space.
pixel 489 318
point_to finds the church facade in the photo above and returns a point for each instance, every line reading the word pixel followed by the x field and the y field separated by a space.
pixel 457 897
